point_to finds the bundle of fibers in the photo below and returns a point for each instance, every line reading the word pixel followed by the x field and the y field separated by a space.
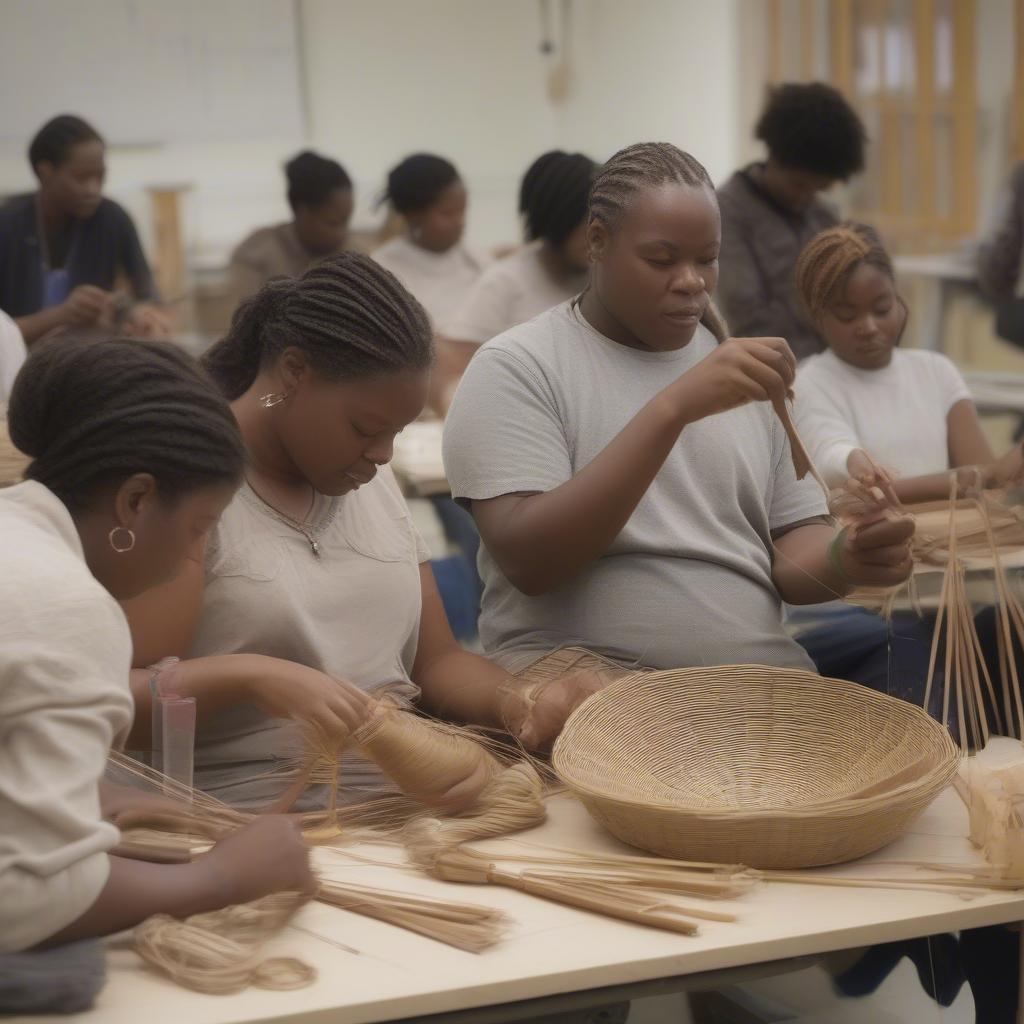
pixel 220 952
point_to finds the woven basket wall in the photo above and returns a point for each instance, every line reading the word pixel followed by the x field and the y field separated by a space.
pixel 768 767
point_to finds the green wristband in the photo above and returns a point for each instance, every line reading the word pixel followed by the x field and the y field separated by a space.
pixel 833 556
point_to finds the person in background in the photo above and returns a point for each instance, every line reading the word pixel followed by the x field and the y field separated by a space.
pixel 549 269
pixel 69 256
pixel 134 457
pixel 429 258
pixel 771 210
pixel 12 355
pixel 320 195
pixel 1000 264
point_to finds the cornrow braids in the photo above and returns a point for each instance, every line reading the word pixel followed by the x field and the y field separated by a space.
pixel 349 315
pixel 91 412
pixel 829 259
pixel 553 195
pixel 649 165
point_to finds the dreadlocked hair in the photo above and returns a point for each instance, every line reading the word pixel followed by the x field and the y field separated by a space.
pixel 93 412
pixel 648 165
pixel 349 315
pixel 829 259
pixel 553 195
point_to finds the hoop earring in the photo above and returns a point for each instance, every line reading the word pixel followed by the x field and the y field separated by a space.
pixel 272 398
pixel 123 548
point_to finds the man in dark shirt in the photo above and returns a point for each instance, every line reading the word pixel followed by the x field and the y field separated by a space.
pixel 68 256
pixel 771 210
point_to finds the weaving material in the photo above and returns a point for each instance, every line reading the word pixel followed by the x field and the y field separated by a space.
pixel 768 767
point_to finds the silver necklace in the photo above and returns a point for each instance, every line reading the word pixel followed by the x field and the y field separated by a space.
pixel 287 520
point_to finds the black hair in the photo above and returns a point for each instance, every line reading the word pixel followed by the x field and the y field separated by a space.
pixel 553 195
pixel 648 165
pixel 810 127
pixel 312 178
pixel 92 412
pixel 349 315
pixel 55 140
pixel 418 181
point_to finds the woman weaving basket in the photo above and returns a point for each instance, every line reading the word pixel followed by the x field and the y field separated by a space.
pixel 316 592
pixel 634 491
pixel 865 404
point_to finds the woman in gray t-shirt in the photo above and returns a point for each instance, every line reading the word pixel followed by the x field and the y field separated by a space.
pixel 633 489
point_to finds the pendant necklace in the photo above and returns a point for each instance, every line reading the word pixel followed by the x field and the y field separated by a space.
pixel 293 524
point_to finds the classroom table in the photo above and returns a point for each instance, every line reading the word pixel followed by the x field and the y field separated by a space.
pixel 556 958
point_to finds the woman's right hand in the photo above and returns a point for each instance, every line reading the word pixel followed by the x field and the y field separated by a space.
pixel 268 855
pixel 283 689
pixel 739 371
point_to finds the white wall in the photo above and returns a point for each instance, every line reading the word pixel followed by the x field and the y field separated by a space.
pixel 655 70
pixel 464 78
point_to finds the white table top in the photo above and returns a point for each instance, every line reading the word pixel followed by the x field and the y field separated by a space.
pixel 945 266
pixel 386 972
pixel 417 460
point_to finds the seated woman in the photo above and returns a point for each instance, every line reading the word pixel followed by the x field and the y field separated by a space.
pixel 866 403
pixel 320 196
pixel 134 457
pixel 549 269
pixel 316 587
pixel 430 258
pixel 69 256
pixel 904 419
pixel 634 490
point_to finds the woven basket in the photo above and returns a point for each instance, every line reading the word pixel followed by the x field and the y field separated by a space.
pixel 772 768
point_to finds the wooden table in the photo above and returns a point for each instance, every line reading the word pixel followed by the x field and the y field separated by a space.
pixel 369 971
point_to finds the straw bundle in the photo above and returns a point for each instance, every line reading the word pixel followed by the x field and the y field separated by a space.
pixel 774 768
pixel 219 952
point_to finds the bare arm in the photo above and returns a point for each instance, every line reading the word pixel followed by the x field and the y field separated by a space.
pixel 264 857
pixel 804 572
pixel 543 540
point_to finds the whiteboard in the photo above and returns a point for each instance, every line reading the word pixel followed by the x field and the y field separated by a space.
pixel 152 71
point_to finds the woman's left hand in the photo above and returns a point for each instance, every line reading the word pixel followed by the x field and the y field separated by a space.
pixel 878 553
pixel 536 714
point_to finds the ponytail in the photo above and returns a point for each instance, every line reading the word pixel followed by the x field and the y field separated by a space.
pixel 235 360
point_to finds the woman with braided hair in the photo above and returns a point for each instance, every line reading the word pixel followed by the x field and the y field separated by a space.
pixel 317 592
pixel 134 457
pixel 866 405
pixel 634 491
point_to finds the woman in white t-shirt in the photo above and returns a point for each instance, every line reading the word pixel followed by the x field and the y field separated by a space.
pixel 134 457
pixel 549 269
pixel 902 419
pixel 867 403
pixel 429 258
pixel 317 590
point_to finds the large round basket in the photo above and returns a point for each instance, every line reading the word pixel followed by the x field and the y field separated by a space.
pixel 745 764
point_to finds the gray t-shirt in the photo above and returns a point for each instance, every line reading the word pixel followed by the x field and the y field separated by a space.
pixel 353 613
pixel 688 580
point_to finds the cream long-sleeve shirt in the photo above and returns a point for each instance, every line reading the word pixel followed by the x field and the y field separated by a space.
pixel 65 657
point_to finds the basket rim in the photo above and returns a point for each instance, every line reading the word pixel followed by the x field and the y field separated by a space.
pixel 935 779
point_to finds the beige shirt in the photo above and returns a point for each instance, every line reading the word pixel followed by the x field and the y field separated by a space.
pixel 65 656
pixel 509 292
pixel 268 252
pixel 439 280
pixel 352 613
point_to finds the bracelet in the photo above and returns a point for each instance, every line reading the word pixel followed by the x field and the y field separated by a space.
pixel 834 559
